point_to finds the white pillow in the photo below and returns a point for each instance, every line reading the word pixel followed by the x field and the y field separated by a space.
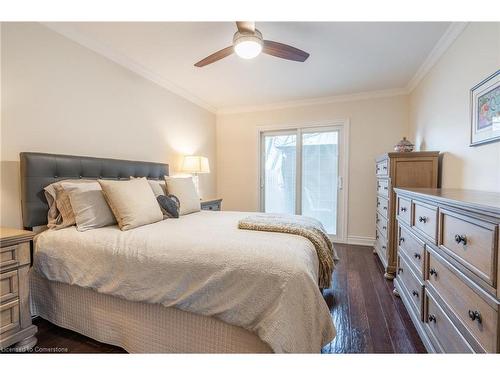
pixel 89 206
pixel 183 188
pixel 133 202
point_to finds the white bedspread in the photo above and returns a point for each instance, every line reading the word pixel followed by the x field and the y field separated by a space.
pixel 202 263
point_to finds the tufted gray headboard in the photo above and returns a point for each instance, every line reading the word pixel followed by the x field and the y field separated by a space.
pixel 39 170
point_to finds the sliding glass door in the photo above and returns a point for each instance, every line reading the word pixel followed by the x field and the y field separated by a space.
pixel 300 174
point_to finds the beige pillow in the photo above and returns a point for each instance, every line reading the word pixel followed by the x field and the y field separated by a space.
pixel 183 188
pixel 89 206
pixel 132 202
pixel 158 186
pixel 60 214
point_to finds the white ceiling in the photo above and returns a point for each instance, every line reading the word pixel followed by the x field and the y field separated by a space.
pixel 346 57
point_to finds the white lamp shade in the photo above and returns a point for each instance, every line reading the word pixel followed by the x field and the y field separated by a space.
pixel 195 164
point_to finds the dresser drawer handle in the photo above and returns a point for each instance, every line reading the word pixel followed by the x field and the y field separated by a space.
pixel 385 208
pixel 384 167
pixel 415 293
pixel 475 315
pixel 400 270
pixel 383 247
pixel 417 256
pixel 422 219
pixel 432 271
pixel 403 209
pixel 432 318
pixel 384 228
pixel 378 219
pixel 401 240
pixel 461 239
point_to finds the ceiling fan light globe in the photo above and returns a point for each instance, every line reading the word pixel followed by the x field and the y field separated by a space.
pixel 248 49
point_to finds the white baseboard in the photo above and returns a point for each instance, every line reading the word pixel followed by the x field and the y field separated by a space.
pixel 359 240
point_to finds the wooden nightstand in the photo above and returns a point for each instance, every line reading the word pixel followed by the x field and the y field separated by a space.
pixel 211 204
pixel 15 260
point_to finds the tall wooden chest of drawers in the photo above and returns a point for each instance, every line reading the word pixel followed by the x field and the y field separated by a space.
pixel 449 267
pixel 398 169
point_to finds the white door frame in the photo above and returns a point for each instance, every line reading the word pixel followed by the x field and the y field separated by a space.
pixel 343 127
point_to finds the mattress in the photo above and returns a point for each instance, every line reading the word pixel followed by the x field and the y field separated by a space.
pixel 265 283
pixel 134 326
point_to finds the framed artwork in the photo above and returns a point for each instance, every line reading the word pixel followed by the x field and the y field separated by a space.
pixel 485 110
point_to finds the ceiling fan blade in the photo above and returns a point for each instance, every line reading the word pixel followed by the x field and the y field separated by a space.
pixel 284 51
pixel 245 26
pixel 215 57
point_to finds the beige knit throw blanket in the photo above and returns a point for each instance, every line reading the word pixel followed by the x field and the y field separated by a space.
pixel 303 226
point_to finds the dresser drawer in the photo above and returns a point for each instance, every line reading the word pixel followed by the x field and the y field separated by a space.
pixel 404 210
pixel 383 187
pixel 413 248
pixel 383 206
pixel 9 285
pixel 425 220
pixel 381 245
pixel 477 316
pixel 472 242
pixel 412 284
pixel 382 168
pixel 381 224
pixel 9 316
pixel 445 337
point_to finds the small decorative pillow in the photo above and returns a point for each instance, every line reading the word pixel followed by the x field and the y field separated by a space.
pixel 89 206
pixel 183 188
pixel 132 202
pixel 169 204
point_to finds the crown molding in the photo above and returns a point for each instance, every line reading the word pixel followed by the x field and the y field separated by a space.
pixel 450 35
pixel 314 101
pixel 120 59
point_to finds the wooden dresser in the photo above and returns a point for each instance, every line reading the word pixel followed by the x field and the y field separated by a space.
pixel 449 267
pixel 15 260
pixel 398 169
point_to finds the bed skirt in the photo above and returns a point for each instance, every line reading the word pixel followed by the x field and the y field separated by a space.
pixel 137 327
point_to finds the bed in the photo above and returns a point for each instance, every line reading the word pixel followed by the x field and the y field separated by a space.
pixel 193 284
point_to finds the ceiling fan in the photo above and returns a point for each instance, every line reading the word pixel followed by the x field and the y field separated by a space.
pixel 248 43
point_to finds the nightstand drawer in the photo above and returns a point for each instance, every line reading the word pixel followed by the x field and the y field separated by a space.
pixel 211 204
pixel 212 207
pixel 9 257
pixel 14 256
pixel 9 285
pixel 9 316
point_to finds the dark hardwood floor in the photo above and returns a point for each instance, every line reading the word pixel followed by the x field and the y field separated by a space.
pixel 366 314
pixel 368 317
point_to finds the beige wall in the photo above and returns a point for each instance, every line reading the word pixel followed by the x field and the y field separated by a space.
pixel 375 126
pixel 60 97
pixel 439 109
